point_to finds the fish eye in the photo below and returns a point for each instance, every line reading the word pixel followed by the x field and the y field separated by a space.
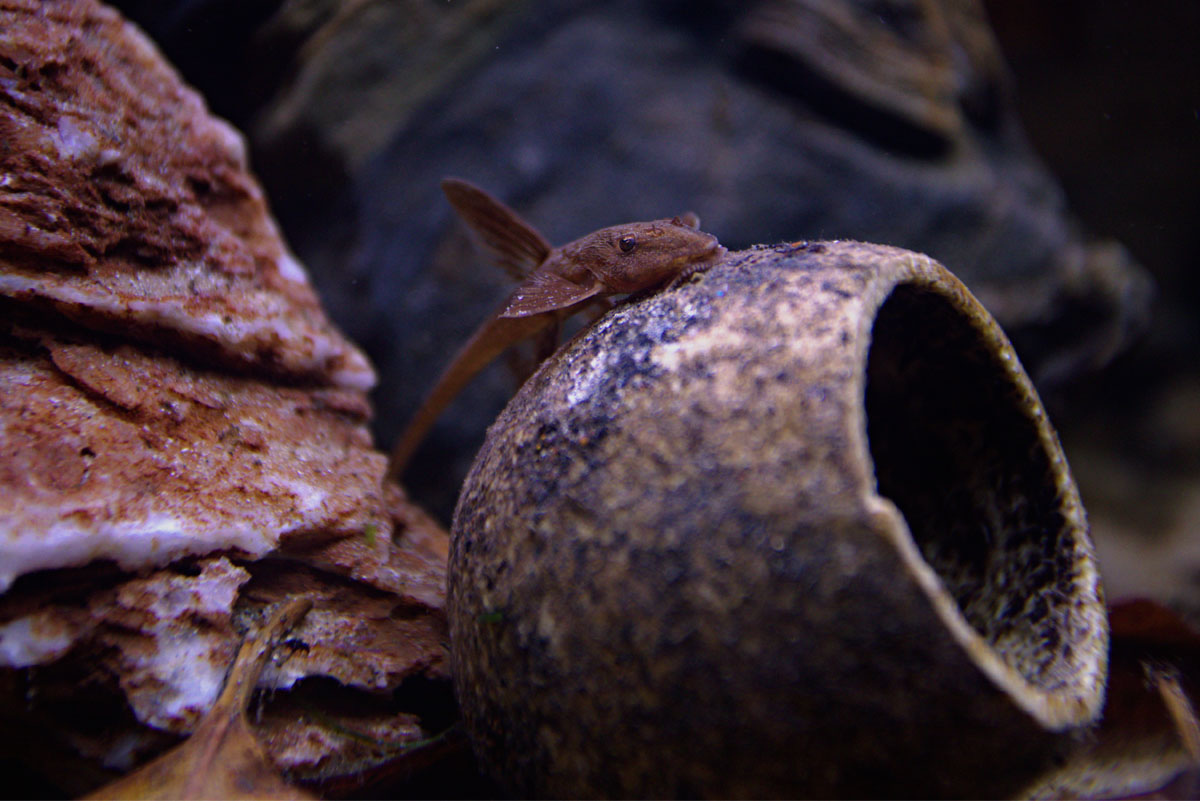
pixel 627 243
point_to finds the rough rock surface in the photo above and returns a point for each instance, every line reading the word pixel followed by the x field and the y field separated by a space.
pixel 127 207
pixel 112 451
pixel 184 437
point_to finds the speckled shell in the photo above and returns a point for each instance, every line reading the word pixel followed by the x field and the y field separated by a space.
pixel 797 527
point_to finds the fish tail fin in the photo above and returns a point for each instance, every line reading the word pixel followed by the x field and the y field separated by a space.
pixel 490 340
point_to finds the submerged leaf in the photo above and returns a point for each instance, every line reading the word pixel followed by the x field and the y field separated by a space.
pixel 1148 743
pixel 222 758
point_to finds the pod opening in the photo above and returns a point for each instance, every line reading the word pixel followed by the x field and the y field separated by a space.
pixel 956 449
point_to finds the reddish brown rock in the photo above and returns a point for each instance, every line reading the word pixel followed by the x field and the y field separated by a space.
pixel 183 436
pixel 127 207
pixel 112 451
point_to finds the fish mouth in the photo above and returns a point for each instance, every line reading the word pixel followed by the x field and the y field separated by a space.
pixel 714 251
pixel 698 262
pixel 711 252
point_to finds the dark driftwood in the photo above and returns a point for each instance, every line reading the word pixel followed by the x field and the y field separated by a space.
pixel 798 527
pixel 882 120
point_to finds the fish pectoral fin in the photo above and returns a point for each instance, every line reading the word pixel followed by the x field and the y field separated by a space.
pixel 509 241
pixel 546 291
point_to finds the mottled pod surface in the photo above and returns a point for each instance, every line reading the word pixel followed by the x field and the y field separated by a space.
pixel 796 527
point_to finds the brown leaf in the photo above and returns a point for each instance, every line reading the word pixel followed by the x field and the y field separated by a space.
pixel 1146 621
pixel 222 758
pixel 1148 743
pixel 1167 682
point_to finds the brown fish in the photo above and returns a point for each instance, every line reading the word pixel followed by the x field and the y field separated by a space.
pixel 556 283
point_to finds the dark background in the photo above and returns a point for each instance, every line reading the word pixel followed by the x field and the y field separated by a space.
pixel 1109 94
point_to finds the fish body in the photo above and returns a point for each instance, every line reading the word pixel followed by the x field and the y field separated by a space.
pixel 555 284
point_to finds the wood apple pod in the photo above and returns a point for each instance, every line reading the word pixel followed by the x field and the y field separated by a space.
pixel 798 527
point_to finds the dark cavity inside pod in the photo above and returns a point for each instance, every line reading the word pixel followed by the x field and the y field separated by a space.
pixel 956 446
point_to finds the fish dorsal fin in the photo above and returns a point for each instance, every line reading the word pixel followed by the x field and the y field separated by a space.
pixel 509 241
pixel 688 218
pixel 545 291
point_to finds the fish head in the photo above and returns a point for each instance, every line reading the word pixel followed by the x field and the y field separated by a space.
pixel 642 255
